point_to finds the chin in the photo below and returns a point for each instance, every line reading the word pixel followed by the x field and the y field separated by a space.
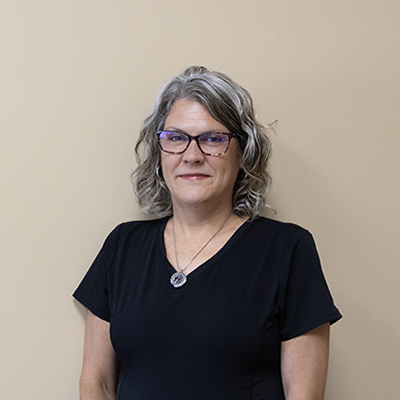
pixel 191 198
pixel 192 201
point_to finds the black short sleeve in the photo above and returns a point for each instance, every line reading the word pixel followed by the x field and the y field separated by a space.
pixel 93 290
pixel 304 298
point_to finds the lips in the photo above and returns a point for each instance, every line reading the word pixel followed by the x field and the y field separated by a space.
pixel 193 177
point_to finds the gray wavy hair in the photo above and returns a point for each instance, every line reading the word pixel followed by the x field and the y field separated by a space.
pixel 229 104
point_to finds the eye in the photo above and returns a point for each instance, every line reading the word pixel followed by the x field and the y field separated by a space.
pixel 175 137
pixel 213 138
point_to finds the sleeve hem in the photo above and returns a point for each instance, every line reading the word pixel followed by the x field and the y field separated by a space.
pixel 331 318
pixel 93 309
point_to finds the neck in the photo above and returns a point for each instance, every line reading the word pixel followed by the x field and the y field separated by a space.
pixel 200 219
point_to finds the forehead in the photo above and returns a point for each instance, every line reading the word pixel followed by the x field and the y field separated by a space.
pixel 191 116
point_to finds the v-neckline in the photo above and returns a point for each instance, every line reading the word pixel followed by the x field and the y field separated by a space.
pixel 203 267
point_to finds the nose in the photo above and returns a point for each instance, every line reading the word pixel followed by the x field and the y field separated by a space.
pixel 193 154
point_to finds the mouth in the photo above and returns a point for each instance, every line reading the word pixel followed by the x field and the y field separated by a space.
pixel 194 177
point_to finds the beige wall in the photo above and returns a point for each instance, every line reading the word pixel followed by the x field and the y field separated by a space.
pixel 77 78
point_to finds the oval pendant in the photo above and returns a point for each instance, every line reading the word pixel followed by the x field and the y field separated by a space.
pixel 178 279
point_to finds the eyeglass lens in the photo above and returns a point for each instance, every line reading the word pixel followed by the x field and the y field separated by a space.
pixel 209 143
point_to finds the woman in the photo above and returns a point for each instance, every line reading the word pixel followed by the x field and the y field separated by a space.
pixel 210 301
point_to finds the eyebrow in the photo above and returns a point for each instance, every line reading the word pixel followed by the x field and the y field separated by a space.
pixel 172 129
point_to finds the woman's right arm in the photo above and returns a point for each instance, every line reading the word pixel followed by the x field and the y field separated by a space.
pixel 99 377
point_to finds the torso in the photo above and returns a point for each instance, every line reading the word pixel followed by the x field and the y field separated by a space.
pixel 218 336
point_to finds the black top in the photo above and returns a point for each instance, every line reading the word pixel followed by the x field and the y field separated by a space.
pixel 217 337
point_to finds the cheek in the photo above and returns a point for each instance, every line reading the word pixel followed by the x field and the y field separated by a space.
pixel 231 173
pixel 168 164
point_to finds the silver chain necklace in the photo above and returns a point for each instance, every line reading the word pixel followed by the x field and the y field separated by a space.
pixel 179 278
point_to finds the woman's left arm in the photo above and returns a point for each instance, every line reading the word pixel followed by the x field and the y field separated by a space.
pixel 304 364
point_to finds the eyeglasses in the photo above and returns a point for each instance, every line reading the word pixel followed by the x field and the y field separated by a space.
pixel 209 143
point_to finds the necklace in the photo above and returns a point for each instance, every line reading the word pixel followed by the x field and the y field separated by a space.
pixel 179 278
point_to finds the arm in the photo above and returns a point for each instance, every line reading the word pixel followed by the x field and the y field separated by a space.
pixel 100 368
pixel 304 364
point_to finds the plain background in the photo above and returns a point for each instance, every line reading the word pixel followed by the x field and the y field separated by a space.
pixel 77 78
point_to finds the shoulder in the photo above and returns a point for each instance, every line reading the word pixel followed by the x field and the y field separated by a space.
pixel 283 237
pixel 277 228
pixel 136 231
pixel 270 238
pixel 140 226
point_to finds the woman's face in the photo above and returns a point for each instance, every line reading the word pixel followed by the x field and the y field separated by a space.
pixel 193 178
